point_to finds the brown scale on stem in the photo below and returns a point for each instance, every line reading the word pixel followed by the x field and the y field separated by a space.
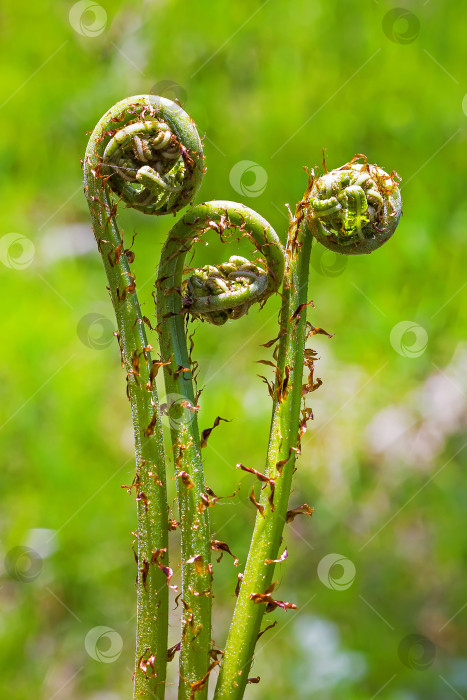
pixel 267 599
pixel 269 385
pixel 269 627
pixel 223 547
pixel 144 663
pixel 156 558
pixel 264 479
pixel 185 477
pixel 209 499
pixel 151 426
pixel 239 583
pixel 134 484
pixel 306 415
pixel 316 331
pixel 197 686
pixel 293 452
pixel 129 289
pixel 172 651
pixel 207 431
pixel 257 505
pixel 279 560
pixel 114 255
pixel 299 510
pixel 270 343
pixel 155 367
pixel 309 360
pixel 144 499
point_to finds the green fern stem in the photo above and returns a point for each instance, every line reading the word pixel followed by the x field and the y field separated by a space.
pixel 265 543
pixel 152 135
pixel 242 288
pixel 353 209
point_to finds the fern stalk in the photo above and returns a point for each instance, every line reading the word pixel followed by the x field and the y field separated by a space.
pixel 239 291
pixel 146 152
pixel 351 210
pixel 132 152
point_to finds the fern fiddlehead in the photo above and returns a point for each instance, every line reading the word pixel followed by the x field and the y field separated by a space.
pixel 147 151
pixel 356 208
pixel 353 209
pixel 214 293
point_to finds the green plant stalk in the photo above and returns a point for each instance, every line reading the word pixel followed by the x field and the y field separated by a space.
pixel 266 540
pixel 195 653
pixel 351 210
pixel 147 151
pixel 150 484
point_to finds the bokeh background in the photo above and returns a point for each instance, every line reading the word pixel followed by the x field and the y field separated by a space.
pixel 378 573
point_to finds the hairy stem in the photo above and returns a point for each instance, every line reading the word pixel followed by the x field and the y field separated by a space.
pixel 283 444
pixel 147 152
pixel 153 135
pixel 195 653
pixel 152 592
pixel 352 210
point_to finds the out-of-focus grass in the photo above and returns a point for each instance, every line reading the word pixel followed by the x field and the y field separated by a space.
pixel 273 83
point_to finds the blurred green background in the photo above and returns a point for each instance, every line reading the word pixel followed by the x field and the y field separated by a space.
pixel 383 462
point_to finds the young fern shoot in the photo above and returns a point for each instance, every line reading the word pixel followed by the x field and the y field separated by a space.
pixel 146 152
pixel 351 210
pixel 220 293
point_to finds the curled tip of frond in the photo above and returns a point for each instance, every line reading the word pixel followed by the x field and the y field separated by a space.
pixel 151 154
pixel 235 286
pixel 355 208
pixel 217 293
